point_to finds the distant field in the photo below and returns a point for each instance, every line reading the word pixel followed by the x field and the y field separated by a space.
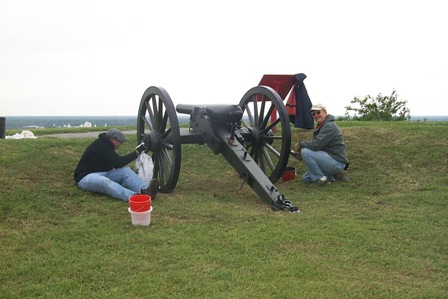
pixel 30 122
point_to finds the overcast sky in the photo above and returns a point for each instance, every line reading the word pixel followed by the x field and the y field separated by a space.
pixel 97 57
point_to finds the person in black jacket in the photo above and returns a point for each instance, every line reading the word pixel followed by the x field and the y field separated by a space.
pixel 324 156
pixel 102 170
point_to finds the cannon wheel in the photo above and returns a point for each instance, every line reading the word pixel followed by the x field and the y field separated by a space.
pixel 268 140
pixel 158 127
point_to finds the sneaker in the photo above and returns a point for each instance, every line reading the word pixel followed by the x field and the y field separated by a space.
pixel 321 182
pixel 342 177
pixel 153 189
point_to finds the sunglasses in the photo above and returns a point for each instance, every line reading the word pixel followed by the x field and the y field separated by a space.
pixel 315 112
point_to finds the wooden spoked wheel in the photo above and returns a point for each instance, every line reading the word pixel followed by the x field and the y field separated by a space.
pixel 158 127
pixel 266 130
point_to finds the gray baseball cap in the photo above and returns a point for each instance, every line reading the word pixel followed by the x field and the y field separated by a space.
pixel 117 134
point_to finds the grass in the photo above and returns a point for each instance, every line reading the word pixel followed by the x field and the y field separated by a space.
pixel 382 235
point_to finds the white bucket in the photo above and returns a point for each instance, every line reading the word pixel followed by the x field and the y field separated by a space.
pixel 141 218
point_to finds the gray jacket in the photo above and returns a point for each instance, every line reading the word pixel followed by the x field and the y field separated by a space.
pixel 328 138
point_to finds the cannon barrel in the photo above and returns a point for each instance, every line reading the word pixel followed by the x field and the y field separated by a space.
pixel 185 108
pixel 223 113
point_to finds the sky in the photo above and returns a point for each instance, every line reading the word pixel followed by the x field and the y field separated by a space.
pixel 97 57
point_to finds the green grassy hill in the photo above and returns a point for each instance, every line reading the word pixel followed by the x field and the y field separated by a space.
pixel 382 235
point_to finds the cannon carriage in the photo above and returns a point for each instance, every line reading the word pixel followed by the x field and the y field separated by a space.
pixel 254 136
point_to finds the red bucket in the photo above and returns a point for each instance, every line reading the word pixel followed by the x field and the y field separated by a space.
pixel 289 174
pixel 140 203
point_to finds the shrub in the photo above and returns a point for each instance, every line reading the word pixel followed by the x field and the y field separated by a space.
pixel 380 108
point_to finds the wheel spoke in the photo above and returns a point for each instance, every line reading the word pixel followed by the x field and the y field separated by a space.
pixel 145 119
pixel 263 104
pixel 150 113
pixel 165 135
pixel 268 159
pixel 267 117
pixel 272 125
pixel 256 116
pixel 249 114
pixel 164 122
pixel 165 165
pixel 261 159
pixel 273 150
pixel 244 124
pixel 159 115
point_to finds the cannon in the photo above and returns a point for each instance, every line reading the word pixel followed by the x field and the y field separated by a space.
pixel 254 136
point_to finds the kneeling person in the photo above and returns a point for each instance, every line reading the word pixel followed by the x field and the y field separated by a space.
pixel 324 156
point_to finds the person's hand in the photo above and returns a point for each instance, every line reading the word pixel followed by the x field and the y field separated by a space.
pixel 296 155
pixel 140 148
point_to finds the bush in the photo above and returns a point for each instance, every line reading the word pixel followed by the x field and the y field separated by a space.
pixel 380 108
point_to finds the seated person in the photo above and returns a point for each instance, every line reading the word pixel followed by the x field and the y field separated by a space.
pixel 102 170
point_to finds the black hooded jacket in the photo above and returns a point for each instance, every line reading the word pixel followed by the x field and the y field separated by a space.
pixel 100 156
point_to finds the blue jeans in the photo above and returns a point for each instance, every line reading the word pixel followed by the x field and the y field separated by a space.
pixel 319 164
pixel 120 183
